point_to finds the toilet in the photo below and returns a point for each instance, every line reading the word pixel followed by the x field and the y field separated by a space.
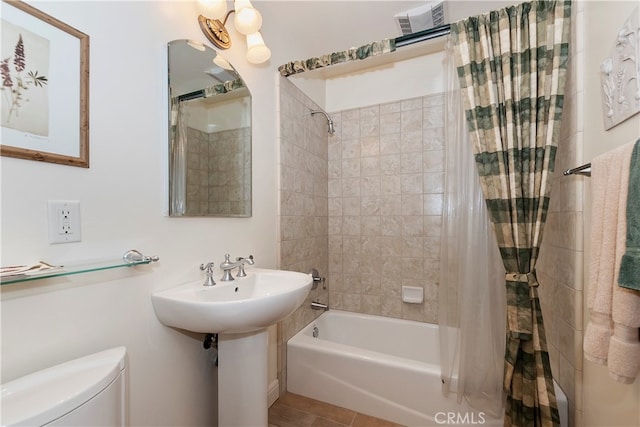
pixel 89 391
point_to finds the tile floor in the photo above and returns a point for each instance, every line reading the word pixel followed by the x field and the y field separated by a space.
pixel 293 410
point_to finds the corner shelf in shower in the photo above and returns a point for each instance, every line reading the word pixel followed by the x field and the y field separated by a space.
pixel 129 259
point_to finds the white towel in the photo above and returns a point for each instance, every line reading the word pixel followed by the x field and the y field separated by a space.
pixel 618 346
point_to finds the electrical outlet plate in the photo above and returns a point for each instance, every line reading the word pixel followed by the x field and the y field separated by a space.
pixel 64 221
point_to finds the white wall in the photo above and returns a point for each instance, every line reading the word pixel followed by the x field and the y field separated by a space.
pixel 121 196
pixel 219 116
pixel 606 402
pixel 411 78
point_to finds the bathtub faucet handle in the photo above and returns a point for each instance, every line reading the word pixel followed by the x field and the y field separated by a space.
pixel 317 279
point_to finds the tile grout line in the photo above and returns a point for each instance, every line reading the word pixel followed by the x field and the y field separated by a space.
pixel 355 414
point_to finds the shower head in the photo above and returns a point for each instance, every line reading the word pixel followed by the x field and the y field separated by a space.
pixel 330 129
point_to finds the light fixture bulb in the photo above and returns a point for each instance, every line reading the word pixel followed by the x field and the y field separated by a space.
pixel 214 8
pixel 247 19
pixel 241 4
pixel 257 51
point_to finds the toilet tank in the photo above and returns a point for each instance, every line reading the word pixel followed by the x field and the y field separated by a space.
pixel 89 391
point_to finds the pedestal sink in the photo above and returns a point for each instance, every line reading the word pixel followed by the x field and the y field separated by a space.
pixel 239 311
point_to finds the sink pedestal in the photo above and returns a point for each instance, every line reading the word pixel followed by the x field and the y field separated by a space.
pixel 252 303
pixel 242 379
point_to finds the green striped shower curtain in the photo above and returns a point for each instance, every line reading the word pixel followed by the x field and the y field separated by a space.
pixel 511 65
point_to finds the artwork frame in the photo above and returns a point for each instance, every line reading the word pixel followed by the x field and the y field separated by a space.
pixel 41 80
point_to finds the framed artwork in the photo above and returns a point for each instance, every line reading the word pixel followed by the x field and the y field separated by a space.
pixel 44 87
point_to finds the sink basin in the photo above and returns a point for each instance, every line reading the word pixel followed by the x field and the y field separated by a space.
pixel 240 311
pixel 246 304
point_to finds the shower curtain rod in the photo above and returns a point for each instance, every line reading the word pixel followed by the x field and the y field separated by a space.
pixel 420 36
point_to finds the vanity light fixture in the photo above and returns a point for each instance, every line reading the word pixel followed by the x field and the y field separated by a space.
pixel 247 21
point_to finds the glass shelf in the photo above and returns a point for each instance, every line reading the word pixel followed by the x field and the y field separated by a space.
pixel 76 269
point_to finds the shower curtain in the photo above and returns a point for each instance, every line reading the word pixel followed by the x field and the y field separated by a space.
pixel 178 159
pixel 471 293
pixel 512 68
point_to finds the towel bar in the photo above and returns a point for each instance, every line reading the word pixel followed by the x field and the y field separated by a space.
pixel 580 170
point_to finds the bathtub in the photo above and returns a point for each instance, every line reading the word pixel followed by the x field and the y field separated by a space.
pixel 379 366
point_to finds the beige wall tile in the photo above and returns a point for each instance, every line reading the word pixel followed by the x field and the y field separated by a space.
pixel 389 123
pixel 390 164
pixel 392 107
pixel 411 104
pixel 390 143
pixel 370 166
pixel 390 185
pixel 412 183
pixel 411 120
pixel 305 207
pixel 411 162
pixel 369 125
pixel 370 186
pixel 385 196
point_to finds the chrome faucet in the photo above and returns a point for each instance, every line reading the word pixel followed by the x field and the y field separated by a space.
pixel 208 270
pixel 227 266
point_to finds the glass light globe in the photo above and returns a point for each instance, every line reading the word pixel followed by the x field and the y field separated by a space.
pixel 247 20
pixel 241 4
pixel 257 51
pixel 216 9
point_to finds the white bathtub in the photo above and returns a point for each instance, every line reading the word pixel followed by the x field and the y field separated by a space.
pixel 379 366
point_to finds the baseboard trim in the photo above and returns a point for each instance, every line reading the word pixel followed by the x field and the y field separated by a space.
pixel 274 392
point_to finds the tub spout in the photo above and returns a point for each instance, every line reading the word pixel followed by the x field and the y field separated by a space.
pixel 316 305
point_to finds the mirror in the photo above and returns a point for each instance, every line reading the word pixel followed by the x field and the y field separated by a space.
pixel 209 134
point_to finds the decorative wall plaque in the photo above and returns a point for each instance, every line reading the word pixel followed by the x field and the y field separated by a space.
pixel 620 74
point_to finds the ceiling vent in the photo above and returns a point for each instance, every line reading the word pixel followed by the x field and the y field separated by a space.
pixel 421 18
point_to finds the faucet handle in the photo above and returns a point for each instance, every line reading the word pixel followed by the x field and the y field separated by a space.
pixel 208 268
pixel 241 261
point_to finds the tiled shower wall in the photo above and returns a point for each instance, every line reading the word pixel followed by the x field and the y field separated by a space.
pixel 303 204
pixel 560 267
pixel 218 172
pixel 363 206
pixel 386 179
